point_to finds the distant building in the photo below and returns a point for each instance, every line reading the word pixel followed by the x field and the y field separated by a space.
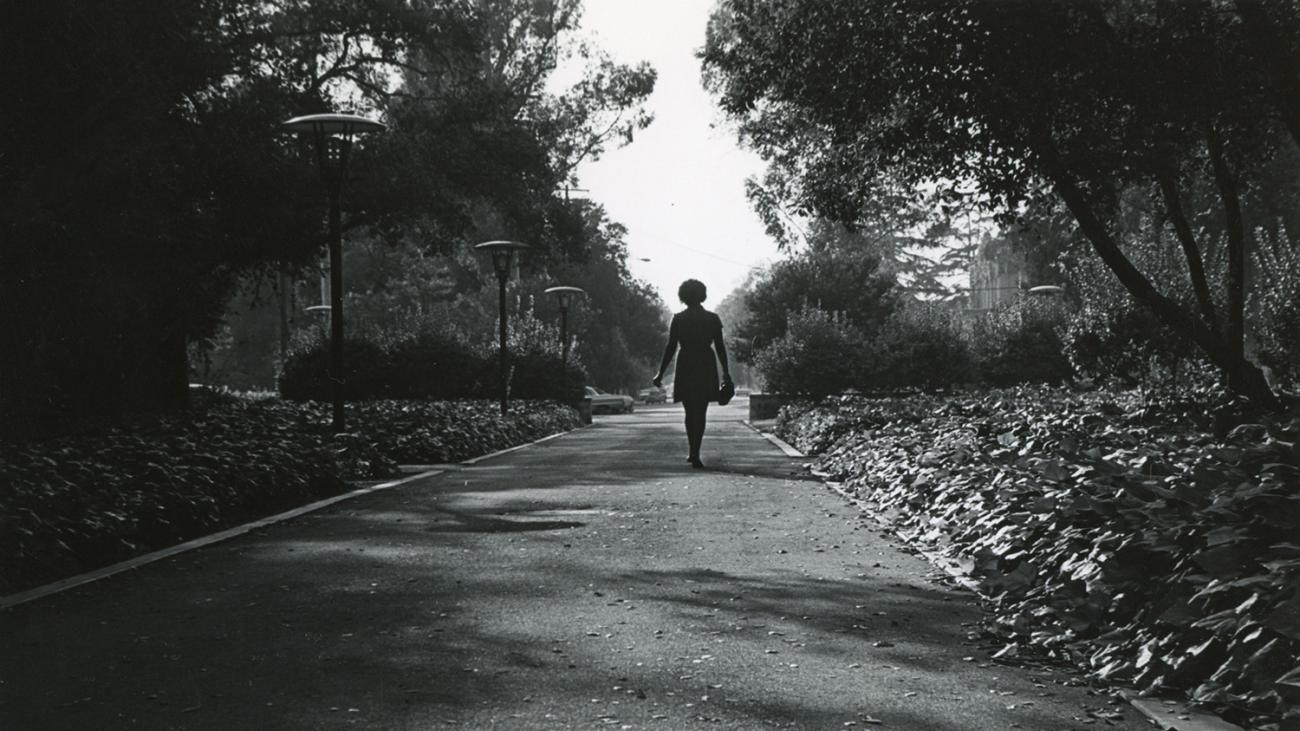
pixel 998 274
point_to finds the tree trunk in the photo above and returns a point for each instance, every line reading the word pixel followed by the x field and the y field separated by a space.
pixel 1236 229
pixel 1242 376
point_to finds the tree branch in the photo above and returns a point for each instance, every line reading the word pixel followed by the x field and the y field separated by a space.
pixel 395 63
pixel 333 70
pixel 508 43
pixel 1243 377
pixel 1191 252
pixel 593 141
pixel 1133 280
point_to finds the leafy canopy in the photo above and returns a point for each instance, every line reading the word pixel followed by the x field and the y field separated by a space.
pixel 147 169
pixel 1026 101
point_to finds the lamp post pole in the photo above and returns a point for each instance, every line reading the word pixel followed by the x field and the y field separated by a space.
pixel 503 358
pixel 563 293
pixel 564 337
pixel 332 136
pixel 503 253
pixel 336 304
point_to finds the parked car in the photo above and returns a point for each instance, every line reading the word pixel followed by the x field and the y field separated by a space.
pixel 653 395
pixel 608 403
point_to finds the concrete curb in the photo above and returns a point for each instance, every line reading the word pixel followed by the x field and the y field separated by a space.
pixel 939 561
pixel 39 592
pixel 55 587
pixel 517 447
pixel 780 443
pixel 1167 715
pixel 1178 716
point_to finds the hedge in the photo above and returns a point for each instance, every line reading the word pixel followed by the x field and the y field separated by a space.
pixel 430 367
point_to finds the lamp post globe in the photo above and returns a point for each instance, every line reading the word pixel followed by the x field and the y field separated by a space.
pixel 332 136
pixel 1046 290
pixel 503 254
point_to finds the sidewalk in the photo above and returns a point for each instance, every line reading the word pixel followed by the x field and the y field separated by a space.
pixel 592 581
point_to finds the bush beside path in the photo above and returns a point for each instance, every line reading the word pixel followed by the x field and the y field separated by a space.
pixel 73 504
pixel 1110 531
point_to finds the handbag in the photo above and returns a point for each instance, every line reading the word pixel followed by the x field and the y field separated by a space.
pixel 726 393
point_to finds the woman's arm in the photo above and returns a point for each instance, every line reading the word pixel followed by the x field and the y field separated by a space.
pixel 669 351
pixel 720 348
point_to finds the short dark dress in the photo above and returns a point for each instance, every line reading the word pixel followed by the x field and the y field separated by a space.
pixel 695 330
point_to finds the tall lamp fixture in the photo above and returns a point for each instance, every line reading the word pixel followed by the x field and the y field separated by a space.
pixel 563 294
pixel 503 254
pixel 332 135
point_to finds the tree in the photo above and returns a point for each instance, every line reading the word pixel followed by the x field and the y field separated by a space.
pixel 835 279
pixel 400 291
pixel 1081 101
pixel 733 312
pixel 907 229
pixel 620 326
pixel 820 354
pixel 146 172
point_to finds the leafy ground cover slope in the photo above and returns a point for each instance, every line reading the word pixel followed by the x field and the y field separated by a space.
pixel 72 504
pixel 1109 531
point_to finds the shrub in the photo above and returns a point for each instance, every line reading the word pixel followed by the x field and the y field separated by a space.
pixel 431 432
pixel 1021 343
pixel 306 375
pixel 820 353
pixel 1124 346
pixel 1275 306
pixel 1112 337
pixel 432 366
pixel 538 375
pixel 428 366
pixel 920 346
pixel 843 275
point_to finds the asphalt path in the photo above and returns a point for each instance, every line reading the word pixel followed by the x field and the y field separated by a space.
pixel 591 581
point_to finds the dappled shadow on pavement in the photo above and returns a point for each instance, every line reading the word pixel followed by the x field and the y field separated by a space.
pixel 607 455
pixel 480 523
pixel 587 582
pixel 408 646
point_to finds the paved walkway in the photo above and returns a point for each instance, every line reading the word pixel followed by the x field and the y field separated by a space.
pixel 592 581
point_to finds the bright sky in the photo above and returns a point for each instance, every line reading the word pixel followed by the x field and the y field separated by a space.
pixel 679 187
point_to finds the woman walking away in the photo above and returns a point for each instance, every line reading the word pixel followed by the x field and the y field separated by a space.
pixel 695 329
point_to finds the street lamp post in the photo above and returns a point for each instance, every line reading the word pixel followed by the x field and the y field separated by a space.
pixel 503 254
pixel 563 293
pixel 324 312
pixel 332 135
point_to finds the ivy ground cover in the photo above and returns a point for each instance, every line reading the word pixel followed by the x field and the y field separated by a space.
pixel 1106 530
pixel 72 504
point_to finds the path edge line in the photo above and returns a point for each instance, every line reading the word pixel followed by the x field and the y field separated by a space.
pixel 780 443
pixel 1165 715
pixel 39 592
pixel 517 447
pixel 12 600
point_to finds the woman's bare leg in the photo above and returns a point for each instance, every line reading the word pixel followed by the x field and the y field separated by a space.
pixel 695 413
